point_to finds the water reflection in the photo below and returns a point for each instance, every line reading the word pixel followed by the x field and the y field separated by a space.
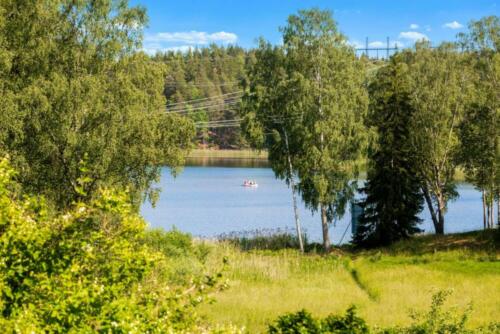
pixel 227 162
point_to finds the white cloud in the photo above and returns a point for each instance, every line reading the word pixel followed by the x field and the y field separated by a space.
pixel 377 44
pixel 453 25
pixel 193 37
pixel 414 26
pixel 413 36
pixel 355 44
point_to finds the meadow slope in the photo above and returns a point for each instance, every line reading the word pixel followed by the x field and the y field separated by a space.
pixel 385 284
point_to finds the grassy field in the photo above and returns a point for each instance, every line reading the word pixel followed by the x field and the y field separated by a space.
pixel 385 285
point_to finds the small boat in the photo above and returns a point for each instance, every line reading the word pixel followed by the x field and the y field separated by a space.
pixel 250 184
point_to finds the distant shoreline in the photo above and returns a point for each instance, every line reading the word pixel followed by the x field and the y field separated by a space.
pixel 262 155
pixel 232 154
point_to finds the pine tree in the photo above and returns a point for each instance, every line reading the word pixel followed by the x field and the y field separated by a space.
pixel 393 197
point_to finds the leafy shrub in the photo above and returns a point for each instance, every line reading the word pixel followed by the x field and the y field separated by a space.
pixel 303 323
pixel 350 323
pixel 436 320
pixel 295 323
pixel 171 243
pixel 88 270
pixel 186 258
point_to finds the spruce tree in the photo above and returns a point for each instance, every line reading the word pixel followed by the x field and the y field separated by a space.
pixel 393 197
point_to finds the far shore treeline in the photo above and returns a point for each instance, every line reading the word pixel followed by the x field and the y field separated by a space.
pixel 88 119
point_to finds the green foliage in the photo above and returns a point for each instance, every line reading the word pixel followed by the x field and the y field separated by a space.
pixel 483 35
pixel 302 322
pixel 306 104
pixel 350 323
pixel 81 88
pixel 332 96
pixel 207 73
pixel 186 259
pixel 435 321
pixel 393 196
pixel 440 87
pixel 480 146
pixel 89 270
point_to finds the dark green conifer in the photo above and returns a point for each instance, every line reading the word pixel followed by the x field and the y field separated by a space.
pixel 393 196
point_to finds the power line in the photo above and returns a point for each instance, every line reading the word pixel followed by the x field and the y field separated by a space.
pixel 203 85
pixel 235 122
pixel 203 99
pixel 213 105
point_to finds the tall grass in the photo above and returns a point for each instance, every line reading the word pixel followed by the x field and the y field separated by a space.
pixel 386 286
pixel 263 239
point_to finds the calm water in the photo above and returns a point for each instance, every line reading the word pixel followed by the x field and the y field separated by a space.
pixel 208 201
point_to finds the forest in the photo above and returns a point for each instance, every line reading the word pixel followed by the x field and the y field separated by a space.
pixel 88 120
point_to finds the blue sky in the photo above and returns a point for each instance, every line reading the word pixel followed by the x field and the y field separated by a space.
pixel 182 24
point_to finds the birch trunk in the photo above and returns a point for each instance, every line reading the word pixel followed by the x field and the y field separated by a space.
pixel 428 200
pixel 441 211
pixel 324 225
pixel 294 195
pixel 484 211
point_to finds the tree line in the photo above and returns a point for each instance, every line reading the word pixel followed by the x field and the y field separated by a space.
pixel 426 112
pixel 204 85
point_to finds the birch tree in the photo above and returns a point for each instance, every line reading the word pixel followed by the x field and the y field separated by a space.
pixel 330 93
pixel 272 120
pixel 480 130
pixel 439 85
pixel 310 104
pixel 82 89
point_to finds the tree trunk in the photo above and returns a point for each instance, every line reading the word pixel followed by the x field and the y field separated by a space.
pixel 441 209
pixel 428 200
pixel 296 213
pixel 498 212
pixel 294 196
pixel 324 224
pixel 489 214
pixel 484 211
pixel 492 212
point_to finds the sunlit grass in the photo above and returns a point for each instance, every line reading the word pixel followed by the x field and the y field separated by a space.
pixel 265 284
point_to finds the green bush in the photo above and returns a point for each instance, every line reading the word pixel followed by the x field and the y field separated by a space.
pixel 435 321
pixel 350 323
pixel 303 323
pixel 89 270
pixel 440 321
pixel 186 259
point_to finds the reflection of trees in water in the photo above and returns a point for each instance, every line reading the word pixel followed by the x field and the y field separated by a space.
pixel 227 162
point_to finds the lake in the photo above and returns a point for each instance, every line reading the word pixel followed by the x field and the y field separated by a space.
pixel 207 199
